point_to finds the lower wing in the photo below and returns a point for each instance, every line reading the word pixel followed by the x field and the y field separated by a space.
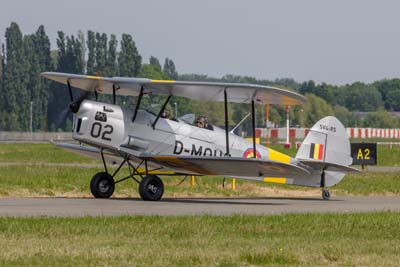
pixel 230 166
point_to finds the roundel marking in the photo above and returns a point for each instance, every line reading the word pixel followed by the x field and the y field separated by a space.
pixel 249 153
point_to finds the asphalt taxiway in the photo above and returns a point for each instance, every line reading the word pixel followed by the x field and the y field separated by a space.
pixel 78 207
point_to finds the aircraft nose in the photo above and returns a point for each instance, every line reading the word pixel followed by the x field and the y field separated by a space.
pixel 75 105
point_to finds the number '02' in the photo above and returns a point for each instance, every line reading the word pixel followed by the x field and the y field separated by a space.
pixel 97 130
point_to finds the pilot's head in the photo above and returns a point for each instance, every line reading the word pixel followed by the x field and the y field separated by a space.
pixel 166 114
pixel 202 122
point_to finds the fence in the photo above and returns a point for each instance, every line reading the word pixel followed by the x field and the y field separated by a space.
pixel 301 133
pixel 35 137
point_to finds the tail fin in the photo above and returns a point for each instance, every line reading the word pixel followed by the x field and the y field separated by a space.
pixel 325 150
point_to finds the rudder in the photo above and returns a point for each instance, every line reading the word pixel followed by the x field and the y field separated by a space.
pixel 326 149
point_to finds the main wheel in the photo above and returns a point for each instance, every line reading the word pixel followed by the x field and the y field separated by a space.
pixel 102 185
pixel 326 195
pixel 151 188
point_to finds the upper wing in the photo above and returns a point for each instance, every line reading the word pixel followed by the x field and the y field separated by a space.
pixel 244 167
pixel 236 92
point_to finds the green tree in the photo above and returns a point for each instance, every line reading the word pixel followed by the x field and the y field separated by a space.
pixel 152 72
pixel 69 60
pixel 314 109
pixel 34 87
pixel 361 97
pixel 129 60
pixel 345 116
pixel 214 111
pixel 15 94
pixel 390 90
pixel 169 69
pixel 42 56
pixel 154 61
pixel 91 46
pixel 73 54
pixel 2 65
pixel 308 88
pixel 380 119
pixel 82 41
pixel 62 65
pixel 101 53
pixel 42 49
pixel 111 64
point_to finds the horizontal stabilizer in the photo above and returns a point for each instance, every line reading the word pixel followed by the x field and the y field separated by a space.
pixel 319 165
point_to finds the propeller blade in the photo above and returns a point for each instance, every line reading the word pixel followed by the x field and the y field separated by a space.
pixel 63 117
pixel 74 106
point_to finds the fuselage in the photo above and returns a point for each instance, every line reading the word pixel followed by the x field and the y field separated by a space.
pixel 110 126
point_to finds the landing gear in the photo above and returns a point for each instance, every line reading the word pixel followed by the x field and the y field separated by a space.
pixel 326 195
pixel 151 188
pixel 102 185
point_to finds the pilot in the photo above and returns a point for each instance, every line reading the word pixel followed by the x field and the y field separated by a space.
pixel 202 121
pixel 166 114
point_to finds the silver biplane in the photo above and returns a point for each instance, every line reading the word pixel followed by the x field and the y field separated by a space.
pixel 153 146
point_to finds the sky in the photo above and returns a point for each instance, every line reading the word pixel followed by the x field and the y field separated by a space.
pixel 337 42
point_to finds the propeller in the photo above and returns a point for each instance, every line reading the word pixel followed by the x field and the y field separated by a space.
pixel 73 107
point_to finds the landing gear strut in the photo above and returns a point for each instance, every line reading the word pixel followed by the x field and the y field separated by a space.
pixel 326 195
pixel 151 186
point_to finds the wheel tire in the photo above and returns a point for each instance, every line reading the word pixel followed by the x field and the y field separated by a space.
pixel 102 185
pixel 151 188
pixel 326 195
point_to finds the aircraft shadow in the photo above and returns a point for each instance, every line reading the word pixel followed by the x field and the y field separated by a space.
pixel 252 201
pixel 241 201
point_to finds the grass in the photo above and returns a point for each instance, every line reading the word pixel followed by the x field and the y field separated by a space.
pixel 388 155
pixel 296 240
pixel 39 153
pixel 369 184
pixel 29 180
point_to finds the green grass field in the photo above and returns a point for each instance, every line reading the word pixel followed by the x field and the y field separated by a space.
pixel 370 239
pixel 296 240
pixel 32 178
pixel 39 153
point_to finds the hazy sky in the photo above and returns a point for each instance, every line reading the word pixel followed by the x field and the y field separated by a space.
pixel 337 41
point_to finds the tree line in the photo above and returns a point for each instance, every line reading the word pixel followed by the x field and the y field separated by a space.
pixel 24 57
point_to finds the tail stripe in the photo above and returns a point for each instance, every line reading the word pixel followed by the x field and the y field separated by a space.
pixel 321 151
pixel 312 150
pixel 316 151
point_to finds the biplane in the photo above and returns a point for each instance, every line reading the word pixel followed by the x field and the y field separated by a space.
pixel 153 146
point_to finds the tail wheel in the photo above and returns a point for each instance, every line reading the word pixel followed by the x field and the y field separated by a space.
pixel 102 185
pixel 151 188
pixel 326 195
